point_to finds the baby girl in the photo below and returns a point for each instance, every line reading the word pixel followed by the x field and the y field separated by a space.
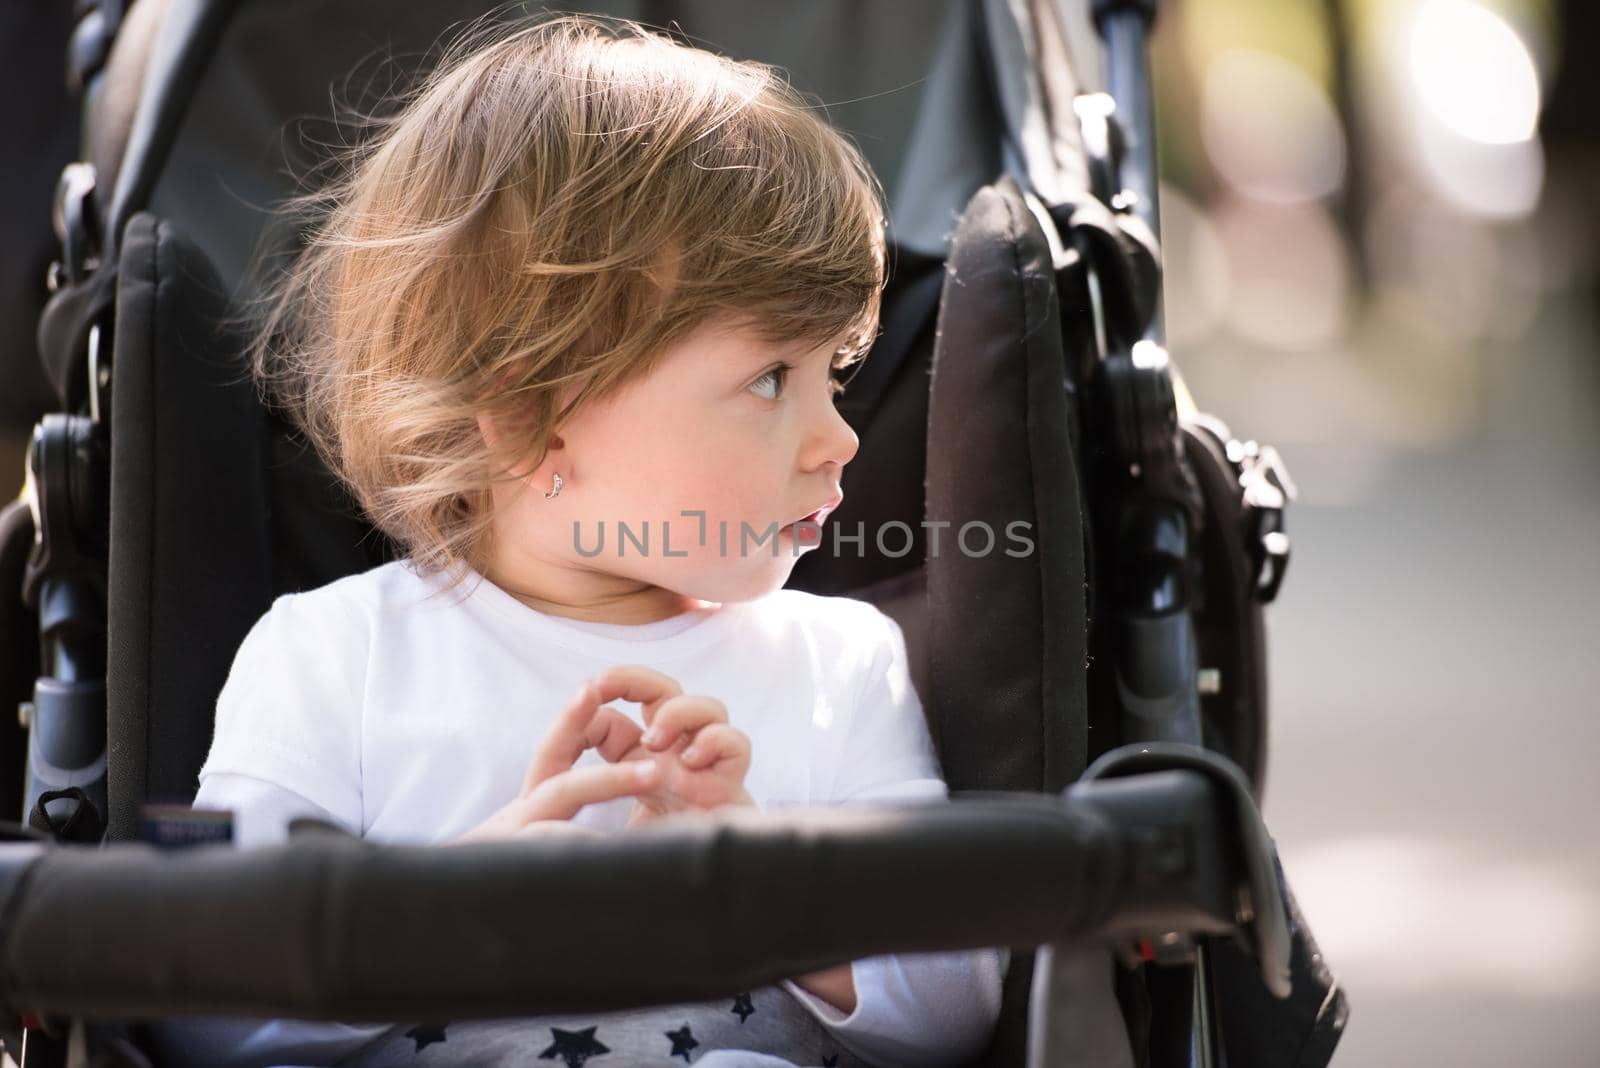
pixel 569 326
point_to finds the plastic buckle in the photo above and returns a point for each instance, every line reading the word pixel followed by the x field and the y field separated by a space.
pixel 1267 491
pixel 76 222
pixel 1104 146
pixel 1272 560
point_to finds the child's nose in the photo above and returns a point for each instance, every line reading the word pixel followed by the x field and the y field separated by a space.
pixel 837 441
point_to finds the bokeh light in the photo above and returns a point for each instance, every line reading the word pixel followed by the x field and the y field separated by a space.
pixel 1270 130
pixel 1473 72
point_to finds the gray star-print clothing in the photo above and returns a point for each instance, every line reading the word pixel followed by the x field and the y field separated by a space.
pixel 766 1028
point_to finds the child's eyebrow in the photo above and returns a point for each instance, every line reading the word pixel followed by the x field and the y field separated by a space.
pixel 800 350
pixel 766 352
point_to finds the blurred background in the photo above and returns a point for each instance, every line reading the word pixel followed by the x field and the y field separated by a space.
pixel 1380 236
pixel 1380 223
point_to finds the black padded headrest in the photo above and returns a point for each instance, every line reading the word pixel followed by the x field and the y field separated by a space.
pixel 214 512
pixel 1008 623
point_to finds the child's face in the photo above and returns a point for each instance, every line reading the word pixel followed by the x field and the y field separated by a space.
pixel 718 427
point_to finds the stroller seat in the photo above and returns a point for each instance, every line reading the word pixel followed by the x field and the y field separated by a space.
pixel 968 409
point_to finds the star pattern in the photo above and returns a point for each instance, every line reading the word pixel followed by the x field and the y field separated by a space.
pixel 426 1034
pixel 573 1047
pixel 683 1041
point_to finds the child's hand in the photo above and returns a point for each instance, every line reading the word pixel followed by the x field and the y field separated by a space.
pixel 703 757
pixel 553 790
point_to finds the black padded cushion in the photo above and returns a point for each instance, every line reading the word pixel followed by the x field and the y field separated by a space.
pixel 1007 625
pixel 215 512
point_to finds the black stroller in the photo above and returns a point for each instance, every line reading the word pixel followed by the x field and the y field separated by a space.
pixel 1098 705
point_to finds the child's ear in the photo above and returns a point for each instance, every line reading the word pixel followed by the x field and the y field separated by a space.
pixel 492 439
pixel 489 433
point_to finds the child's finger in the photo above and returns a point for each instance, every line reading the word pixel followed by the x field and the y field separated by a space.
pixel 561 796
pixel 722 747
pixel 684 714
pixel 635 682
pixel 583 724
pixel 617 733
pixel 565 741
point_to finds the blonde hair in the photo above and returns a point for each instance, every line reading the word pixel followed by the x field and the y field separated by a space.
pixel 550 209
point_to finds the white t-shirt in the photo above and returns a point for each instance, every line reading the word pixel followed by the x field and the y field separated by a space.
pixel 407 714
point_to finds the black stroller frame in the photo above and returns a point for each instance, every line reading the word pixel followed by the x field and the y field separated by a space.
pixel 1141 869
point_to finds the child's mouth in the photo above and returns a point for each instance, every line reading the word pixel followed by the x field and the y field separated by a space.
pixel 807 530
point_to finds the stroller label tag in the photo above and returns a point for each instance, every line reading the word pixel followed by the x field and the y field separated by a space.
pixel 173 826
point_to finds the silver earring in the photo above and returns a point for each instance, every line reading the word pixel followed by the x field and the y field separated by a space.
pixel 553 493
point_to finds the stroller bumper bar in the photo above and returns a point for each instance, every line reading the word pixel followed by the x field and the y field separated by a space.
pixel 329 926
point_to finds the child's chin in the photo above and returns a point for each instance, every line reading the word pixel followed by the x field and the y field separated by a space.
pixel 760 576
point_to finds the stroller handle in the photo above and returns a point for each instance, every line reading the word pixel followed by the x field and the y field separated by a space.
pixel 329 926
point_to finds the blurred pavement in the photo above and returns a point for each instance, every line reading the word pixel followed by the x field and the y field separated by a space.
pixel 1435 678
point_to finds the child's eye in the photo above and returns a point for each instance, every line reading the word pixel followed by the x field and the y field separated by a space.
pixel 778 375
